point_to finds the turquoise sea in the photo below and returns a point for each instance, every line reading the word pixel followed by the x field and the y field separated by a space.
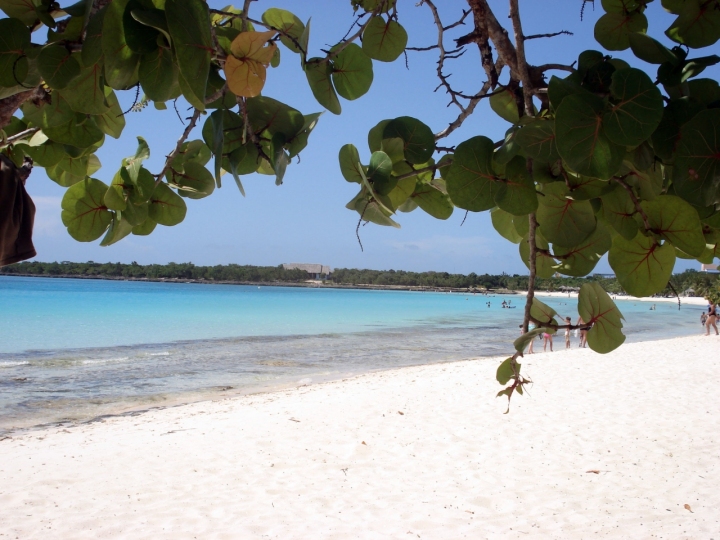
pixel 72 350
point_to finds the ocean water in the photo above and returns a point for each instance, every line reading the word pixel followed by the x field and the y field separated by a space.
pixel 72 350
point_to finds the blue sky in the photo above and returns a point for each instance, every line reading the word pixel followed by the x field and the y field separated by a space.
pixel 305 219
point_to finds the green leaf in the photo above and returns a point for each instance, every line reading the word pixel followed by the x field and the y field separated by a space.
pixel 114 198
pixel 86 94
pixel 419 141
pixel 83 211
pixel 281 19
pixel 154 18
pixel 24 10
pixel 140 38
pixel 74 133
pixel 503 223
pixel 119 229
pixel 676 221
pixel 92 46
pixel 696 174
pixel 706 91
pixel 350 165
pixel 371 210
pixel 517 193
pixel 523 341
pixel 471 179
pixel 597 308
pixel 189 25
pixel 166 207
pixel 111 122
pixel 650 50
pixel 14 39
pixel 352 72
pixel 542 313
pixel 433 201
pixel 120 61
pixel 215 125
pixel 504 102
pixel 375 135
pixel 544 263
pixel 580 260
pixel 379 172
pixel 384 41
pixel 196 182
pixel 319 76
pixel 618 210
pixel 636 110
pixel 266 113
pixel 582 142
pixel 613 30
pixel 698 24
pixel 145 228
pixel 505 371
pixel 46 115
pixel 538 140
pixel 158 74
pixel 563 221
pixel 46 155
pixel 642 266
pixel 297 143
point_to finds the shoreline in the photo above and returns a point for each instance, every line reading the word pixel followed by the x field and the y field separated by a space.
pixel 422 449
pixel 692 300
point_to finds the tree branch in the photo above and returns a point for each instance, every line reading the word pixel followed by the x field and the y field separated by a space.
pixel 561 32
pixel 635 201
pixel 179 144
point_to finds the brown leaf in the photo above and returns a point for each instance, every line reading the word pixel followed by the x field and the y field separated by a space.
pixel 687 507
pixel 595 471
pixel 245 78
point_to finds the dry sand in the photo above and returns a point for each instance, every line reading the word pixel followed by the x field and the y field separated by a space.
pixel 685 300
pixel 422 452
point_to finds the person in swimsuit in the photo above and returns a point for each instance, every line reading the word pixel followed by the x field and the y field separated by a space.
pixel 531 327
pixel 568 322
pixel 583 333
pixel 711 317
pixel 547 338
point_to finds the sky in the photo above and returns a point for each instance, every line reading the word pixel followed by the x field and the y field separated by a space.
pixel 305 219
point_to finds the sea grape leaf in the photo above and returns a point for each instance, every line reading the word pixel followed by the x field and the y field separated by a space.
pixel 676 221
pixel 509 149
pixel 563 221
pixel 542 313
pixel 154 18
pixel 697 24
pixel 503 101
pixel 24 10
pixel 696 173
pixel 581 140
pixel 706 91
pixel 618 210
pixel 505 371
pixel 375 135
pixel 384 40
pixel 114 198
pixel 650 50
pixel 418 138
pixel 158 74
pixel 379 172
pixel 400 196
pixel 370 210
pixel 350 165
pixel 298 142
pixel 245 68
pixel 56 65
pixel 642 266
pixel 268 114
pixel 145 228
pixel 523 341
pixel 352 72
pixel 544 263
pixel 597 308
pixel 120 61
pixel 538 140
pixel 503 223
pixel 319 76
pixel 119 229
pixel 92 45
pixel 517 193
pixel 166 207
pixel 195 182
pixel 112 121
pixel 433 201
pixel 471 179
pixel 84 212
pixel 580 260
pixel 613 30
pixel 189 25
pixel 140 38
pixel 14 39
pixel 46 115
pixel 636 110
pixel 80 133
pixel 86 94
pixel 46 155
pixel 289 24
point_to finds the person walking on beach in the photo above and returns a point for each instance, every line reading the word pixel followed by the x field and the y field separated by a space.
pixel 547 338
pixel 711 318
pixel 568 322
pixel 531 327
pixel 583 333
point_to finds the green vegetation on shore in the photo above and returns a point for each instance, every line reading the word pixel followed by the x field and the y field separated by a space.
pixel 690 279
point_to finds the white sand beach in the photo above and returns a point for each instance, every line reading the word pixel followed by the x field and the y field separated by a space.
pixel 625 445
pixel 684 300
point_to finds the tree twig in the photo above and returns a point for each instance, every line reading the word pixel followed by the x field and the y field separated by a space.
pixel 561 32
pixel 635 201
pixel 19 136
pixel 179 144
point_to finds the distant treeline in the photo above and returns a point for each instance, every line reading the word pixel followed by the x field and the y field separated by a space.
pixel 690 279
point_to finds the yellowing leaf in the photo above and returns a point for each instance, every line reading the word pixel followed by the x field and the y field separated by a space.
pixel 252 45
pixel 245 78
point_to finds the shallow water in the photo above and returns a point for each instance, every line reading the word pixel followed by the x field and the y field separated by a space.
pixel 71 350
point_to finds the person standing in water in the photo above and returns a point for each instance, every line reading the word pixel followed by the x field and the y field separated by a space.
pixel 711 319
pixel 583 333
pixel 547 338
pixel 568 322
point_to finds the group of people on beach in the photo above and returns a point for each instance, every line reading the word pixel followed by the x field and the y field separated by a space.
pixel 548 338
pixel 709 318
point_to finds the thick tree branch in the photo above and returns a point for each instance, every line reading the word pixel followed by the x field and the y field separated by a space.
pixel 10 104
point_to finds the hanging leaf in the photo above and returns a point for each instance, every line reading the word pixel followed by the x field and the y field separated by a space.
pixel 352 72
pixel 697 25
pixel 597 308
pixel 471 179
pixel 521 344
pixel 86 94
pixel 84 212
pixel 505 371
pixel 120 61
pixel 158 74
pixel 268 114
pixel 433 201
pixel 580 139
pixel 419 141
pixel 580 260
pixel 503 223
pixel 119 229
pixel 504 102
pixel 112 121
pixel 24 10
pixel 350 165
pixel 384 41
pixel 245 69
pixel 613 30
pixel 319 73
pixel 166 207
pixel 696 174
pixel 189 25
pixel 542 313
pixel 288 25
pixel 140 38
pixel 563 221
pixel 650 50
pixel 642 266
pixel 618 210
pixel 676 221
pixel 636 109
pixel 517 193
pixel 298 142
pixel 195 182
pixel 144 229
